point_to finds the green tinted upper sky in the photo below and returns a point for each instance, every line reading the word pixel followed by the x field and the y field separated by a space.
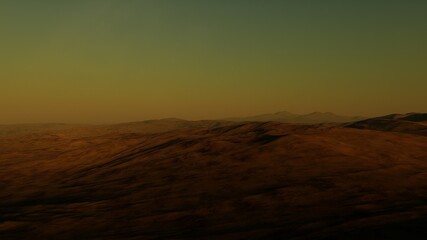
pixel 126 60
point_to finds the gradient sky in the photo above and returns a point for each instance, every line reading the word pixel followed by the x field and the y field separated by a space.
pixel 125 60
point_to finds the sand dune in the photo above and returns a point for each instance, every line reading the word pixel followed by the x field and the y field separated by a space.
pixel 243 181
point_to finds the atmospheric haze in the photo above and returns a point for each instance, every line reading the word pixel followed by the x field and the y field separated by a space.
pixel 106 61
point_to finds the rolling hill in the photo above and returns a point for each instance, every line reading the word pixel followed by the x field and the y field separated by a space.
pixel 74 130
pixel 255 180
pixel 412 123
pixel 311 118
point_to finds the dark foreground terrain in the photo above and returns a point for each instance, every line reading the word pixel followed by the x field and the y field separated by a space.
pixel 240 181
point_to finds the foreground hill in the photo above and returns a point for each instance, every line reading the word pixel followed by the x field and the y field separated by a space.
pixel 287 117
pixel 412 123
pixel 245 181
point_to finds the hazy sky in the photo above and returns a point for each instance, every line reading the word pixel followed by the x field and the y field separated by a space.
pixel 126 60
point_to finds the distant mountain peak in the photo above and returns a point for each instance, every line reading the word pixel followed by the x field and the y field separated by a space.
pixel 321 114
pixel 284 113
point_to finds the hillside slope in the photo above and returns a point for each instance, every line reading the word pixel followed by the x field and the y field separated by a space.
pixel 310 118
pixel 411 123
pixel 246 181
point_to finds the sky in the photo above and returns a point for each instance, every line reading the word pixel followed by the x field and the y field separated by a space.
pixel 105 61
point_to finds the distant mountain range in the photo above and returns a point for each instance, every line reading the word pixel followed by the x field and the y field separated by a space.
pixel 287 117
pixel 73 130
pixel 414 123
pixel 167 124
pixel 7 130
